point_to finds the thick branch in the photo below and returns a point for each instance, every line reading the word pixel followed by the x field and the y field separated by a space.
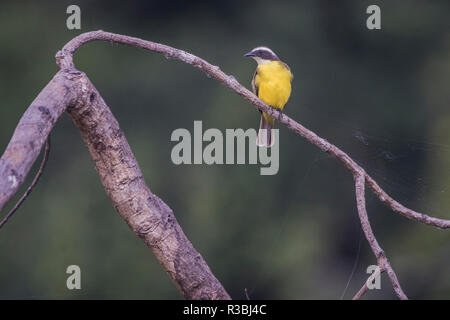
pixel 146 214
pixel 32 185
pixel 32 131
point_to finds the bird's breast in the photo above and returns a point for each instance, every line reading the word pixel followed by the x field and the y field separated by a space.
pixel 273 80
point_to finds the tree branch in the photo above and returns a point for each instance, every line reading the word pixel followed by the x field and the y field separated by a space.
pixel 382 260
pixel 65 60
pixel 146 214
pixel 365 287
pixel 32 131
pixel 32 185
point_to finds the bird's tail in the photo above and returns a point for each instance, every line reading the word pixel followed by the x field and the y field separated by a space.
pixel 265 133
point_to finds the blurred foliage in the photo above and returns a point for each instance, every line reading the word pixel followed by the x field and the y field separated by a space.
pixel 380 95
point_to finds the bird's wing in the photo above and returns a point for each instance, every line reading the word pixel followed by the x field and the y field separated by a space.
pixel 254 86
pixel 287 67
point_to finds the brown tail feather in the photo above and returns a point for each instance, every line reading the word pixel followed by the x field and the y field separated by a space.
pixel 265 133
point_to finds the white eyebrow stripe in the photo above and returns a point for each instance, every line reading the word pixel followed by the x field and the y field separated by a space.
pixel 264 48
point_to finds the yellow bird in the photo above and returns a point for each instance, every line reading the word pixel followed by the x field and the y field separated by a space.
pixel 272 84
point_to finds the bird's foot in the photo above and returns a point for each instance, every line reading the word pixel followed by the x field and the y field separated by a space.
pixel 280 115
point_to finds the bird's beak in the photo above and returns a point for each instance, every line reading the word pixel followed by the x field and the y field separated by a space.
pixel 249 54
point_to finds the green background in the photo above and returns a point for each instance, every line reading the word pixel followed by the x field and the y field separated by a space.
pixel 382 96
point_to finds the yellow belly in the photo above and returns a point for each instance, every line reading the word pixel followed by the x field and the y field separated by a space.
pixel 273 80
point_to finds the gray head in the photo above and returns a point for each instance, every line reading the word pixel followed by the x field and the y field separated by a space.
pixel 262 55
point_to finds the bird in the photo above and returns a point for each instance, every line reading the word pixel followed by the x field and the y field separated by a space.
pixel 272 84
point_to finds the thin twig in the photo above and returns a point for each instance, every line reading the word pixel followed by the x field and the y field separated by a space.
pixel 32 185
pixel 382 260
pixel 246 294
pixel 365 287
pixel 355 264
pixel 64 59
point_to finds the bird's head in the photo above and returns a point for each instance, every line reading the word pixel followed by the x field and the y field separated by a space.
pixel 262 55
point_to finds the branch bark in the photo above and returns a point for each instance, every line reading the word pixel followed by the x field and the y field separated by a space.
pixel 382 260
pixel 148 216
pixel 31 133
